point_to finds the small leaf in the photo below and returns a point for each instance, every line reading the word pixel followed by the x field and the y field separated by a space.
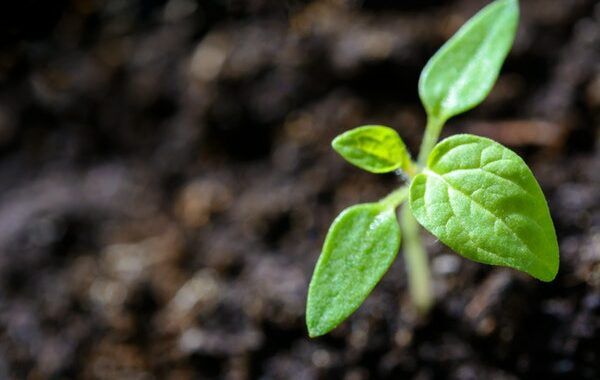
pixel 461 74
pixel 373 148
pixel 481 200
pixel 360 246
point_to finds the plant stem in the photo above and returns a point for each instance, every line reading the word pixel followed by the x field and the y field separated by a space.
pixel 432 134
pixel 395 198
pixel 417 265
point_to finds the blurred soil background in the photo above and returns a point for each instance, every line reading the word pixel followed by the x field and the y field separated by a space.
pixel 166 182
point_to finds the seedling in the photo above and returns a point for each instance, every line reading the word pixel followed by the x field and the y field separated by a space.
pixel 475 195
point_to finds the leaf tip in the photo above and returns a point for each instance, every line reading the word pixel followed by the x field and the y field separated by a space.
pixel 313 333
pixel 510 6
pixel 335 143
pixel 315 321
pixel 314 327
pixel 547 268
pixel 505 3
pixel 549 274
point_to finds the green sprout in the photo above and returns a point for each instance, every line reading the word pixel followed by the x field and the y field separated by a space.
pixel 475 195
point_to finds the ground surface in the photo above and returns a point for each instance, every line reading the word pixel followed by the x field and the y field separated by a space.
pixel 166 182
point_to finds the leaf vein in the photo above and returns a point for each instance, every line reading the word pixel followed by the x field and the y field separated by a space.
pixel 495 175
pixel 448 184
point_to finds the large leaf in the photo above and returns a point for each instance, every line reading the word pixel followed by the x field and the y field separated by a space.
pixel 373 148
pixel 461 74
pixel 481 200
pixel 360 246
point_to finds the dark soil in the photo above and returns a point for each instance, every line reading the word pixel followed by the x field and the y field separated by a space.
pixel 166 182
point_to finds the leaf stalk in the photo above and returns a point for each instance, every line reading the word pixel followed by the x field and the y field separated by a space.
pixel 395 198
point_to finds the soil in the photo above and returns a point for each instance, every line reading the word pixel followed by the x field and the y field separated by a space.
pixel 166 181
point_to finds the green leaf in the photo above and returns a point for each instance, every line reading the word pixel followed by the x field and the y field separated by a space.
pixel 480 198
pixel 461 74
pixel 374 148
pixel 360 246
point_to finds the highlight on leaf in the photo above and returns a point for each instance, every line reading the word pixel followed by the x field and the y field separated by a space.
pixel 374 148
